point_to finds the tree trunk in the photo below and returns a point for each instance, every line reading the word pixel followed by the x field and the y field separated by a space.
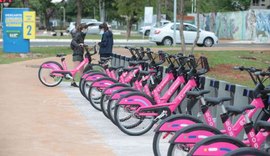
pixel 25 3
pixel 198 30
pixel 102 10
pixel 79 11
pixel 47 20
pixel 158 12
pixel 181 29
pixel 129 26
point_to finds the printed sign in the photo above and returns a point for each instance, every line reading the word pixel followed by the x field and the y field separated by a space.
pixel 29 25
pixel 13 41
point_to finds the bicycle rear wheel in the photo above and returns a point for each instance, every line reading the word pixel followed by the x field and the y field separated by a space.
pixel 45 74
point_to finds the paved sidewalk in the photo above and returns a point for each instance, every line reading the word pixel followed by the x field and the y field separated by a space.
pixel 41 121
pixel 120 143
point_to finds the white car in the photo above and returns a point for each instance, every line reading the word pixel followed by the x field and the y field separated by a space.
pixel 164 35
pixel 92 29
pixel 146 29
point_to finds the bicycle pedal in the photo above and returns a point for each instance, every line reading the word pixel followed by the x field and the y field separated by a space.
pixel 67 76
pixel 161 115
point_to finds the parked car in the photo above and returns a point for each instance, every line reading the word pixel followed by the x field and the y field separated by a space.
pixel 70 27
pixel 164 35
pixel 92 29
pixel 146 29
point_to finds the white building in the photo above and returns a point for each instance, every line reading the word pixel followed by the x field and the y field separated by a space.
pixel 260 4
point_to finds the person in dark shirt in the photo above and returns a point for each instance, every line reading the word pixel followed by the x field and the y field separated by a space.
pixel 106 44
pixel 77 47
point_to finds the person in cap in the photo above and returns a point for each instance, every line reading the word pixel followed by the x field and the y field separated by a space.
pixel 77 47
pixel 106 43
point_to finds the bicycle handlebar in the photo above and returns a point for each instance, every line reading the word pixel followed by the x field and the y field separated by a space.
pixel 262 73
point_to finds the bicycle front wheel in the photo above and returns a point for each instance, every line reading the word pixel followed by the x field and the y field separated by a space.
pixel 45 74
pixel 130 123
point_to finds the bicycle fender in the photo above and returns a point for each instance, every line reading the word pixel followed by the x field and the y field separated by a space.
pixel 117 95
pixel 194 133
pixel 176 122
pixel 110 89
pixel 103 82
pixel 136 99
pixel 50 66
pixel 95 76
pixel 216 145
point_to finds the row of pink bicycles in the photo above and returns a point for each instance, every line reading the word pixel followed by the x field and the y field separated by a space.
pixel 141 96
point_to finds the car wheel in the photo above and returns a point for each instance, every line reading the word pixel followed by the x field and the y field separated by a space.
pixel 167 41
pixel 208 42
pixel 147 33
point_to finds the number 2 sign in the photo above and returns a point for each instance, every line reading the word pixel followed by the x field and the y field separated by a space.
pixel 29 25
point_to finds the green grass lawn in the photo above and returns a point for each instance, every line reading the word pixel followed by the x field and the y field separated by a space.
pixel 36 52
pixel 222 63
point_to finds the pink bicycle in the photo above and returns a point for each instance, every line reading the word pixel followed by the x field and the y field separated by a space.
pixel 51 73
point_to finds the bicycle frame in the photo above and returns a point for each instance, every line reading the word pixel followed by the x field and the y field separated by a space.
pixel 234 130
pixel 146 105
pixel 65 71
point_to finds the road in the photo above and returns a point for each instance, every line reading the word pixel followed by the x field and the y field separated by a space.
pixel 66 42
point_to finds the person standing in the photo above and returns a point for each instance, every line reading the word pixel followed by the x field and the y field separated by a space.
pixel 77 47
pixel 106 44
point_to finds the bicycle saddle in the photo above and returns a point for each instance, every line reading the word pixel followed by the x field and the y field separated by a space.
pixel 197 93
pixel 212 101
pixel 263 125
pixel 235 110
pixel 61 55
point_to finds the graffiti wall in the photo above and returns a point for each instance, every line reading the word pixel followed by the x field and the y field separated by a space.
pixel 251 25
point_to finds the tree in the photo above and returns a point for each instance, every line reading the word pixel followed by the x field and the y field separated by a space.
pixel 130 9
pixel 198 27
pixel 46 9
pixel 181 29
pixel 158 12
pixel 79 11
pixel 25 3
pixel 102 10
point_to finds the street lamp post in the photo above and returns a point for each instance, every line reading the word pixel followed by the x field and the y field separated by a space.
pixel 64 16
